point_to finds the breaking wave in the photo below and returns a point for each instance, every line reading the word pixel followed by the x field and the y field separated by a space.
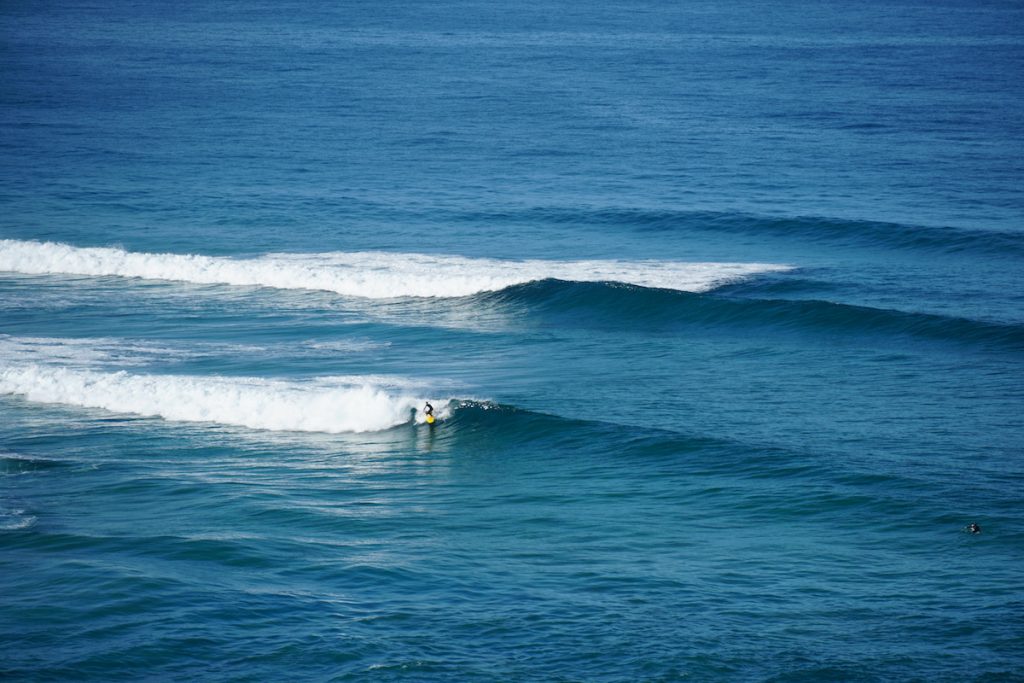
pixel 373 275
pixel 323 405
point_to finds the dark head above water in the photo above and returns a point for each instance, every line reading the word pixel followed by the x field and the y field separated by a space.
pixel 973 528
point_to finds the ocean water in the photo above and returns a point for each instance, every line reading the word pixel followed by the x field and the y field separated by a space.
pixel 721 307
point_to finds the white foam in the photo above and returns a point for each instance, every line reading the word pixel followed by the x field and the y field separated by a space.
pixel 374 275
pixel 346 346
pixel 15 520
pixel 318 406
pixel 84 352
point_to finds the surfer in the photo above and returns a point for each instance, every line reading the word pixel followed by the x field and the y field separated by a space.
pixel 429 412
pixel 974 528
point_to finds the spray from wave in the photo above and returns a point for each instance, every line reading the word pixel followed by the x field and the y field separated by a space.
pixel 374 275
pixel 319 406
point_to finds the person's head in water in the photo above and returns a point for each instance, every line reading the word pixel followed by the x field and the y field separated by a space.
pixel 974 528
pixel 429 409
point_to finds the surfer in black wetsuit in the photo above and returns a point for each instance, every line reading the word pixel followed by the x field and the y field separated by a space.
pixel 974 528
pixel 429 410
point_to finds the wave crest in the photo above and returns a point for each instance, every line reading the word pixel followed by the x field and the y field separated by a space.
pixel 246 402
pixel 374 275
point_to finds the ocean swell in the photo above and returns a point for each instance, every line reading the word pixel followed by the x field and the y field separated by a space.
pixel 813 229
pixel 605 306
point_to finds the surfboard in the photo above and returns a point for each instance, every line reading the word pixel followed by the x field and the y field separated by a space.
pixel 430 419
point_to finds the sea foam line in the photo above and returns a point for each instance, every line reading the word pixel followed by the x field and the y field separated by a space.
pixel 113 351
pixel 246 402
pixel 374 275
pixel 90 351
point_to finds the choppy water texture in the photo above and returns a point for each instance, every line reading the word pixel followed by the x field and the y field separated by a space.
pixel 720 306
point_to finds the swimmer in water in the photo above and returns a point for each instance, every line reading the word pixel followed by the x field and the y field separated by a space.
pixel 973 528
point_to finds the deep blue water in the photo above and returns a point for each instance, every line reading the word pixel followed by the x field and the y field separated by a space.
pixel 721 306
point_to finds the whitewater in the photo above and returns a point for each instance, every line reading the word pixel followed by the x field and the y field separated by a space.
pixel 370 275
pixel 247 402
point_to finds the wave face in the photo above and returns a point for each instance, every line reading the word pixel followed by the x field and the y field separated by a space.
pixel 321 406
pixel 596 304
pixel 373 275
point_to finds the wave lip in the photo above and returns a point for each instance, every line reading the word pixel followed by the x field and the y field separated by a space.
pixel 374 275
pixel 246 402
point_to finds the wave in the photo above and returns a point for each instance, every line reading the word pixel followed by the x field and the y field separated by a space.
pixel 324 405
pixel 321 406
pixel 330 405
pixel 952 240
pixel 602 305
pixel 374 275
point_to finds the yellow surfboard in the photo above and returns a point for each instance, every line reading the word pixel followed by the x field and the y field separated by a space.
pixel 430 419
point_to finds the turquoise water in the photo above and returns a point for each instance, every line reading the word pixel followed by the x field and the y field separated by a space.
pixel 720 306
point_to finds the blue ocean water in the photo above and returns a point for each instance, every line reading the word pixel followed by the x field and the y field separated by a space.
pixel 721 306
